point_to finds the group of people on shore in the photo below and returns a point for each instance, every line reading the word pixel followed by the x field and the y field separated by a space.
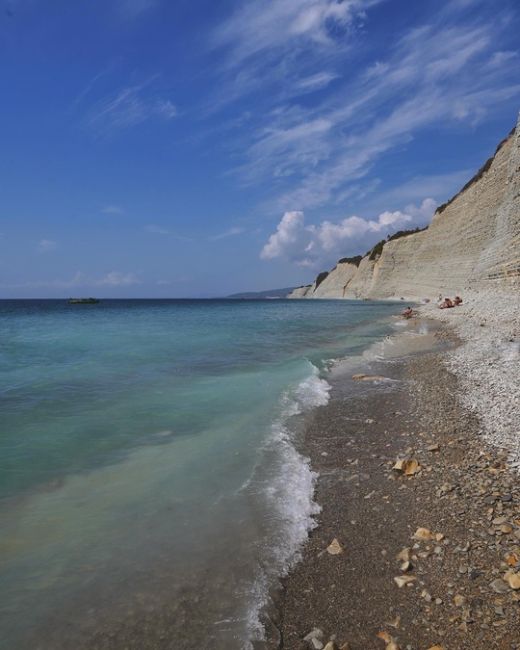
pixel 448 303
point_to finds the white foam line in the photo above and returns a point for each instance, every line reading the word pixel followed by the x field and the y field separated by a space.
pixel 290 494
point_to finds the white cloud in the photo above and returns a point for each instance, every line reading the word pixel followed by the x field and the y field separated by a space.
pixel 129 107
pixel 80 280
pixel 165 108
pixel 314 152
pixel 47 245
pixel 231 232
pixel 112 209
pixel 502 57
pixel 273 25
pixel 118 279
pixel 289 238
pixel 315 245
pixel 315 81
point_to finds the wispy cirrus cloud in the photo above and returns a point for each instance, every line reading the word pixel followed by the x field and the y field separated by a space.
pixel 288 45
pixel 314 153
pixel 230 232
pixel 130 106
pixel 113 209
pixel 273 26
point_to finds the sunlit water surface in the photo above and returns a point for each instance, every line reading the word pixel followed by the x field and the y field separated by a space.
pixel 148 478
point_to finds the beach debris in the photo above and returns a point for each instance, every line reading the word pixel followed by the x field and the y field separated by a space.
pixel 331 646
pixel 407 466
pixel 406 566
pixel 395 623
pixel 404 555
pixel 315 633
pixel 499 586
pixel 423 534
pixel 390 642
pixel 513 579
pixel 402 581
pixel 362 377
pixel 427 596
pixel 434 447
pixel 334 548
pixel 316 644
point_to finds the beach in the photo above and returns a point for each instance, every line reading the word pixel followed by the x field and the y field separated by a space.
pixel 427 560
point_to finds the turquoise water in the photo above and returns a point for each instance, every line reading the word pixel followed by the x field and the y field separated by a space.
pixel 147 470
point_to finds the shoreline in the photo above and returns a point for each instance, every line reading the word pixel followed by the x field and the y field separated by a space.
pixel 458 594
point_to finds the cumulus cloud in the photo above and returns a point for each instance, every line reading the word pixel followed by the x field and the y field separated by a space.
pixel 47 245
pixel 313 245
pixel 289 238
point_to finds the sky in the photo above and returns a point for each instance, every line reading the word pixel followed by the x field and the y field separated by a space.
pixel 193 148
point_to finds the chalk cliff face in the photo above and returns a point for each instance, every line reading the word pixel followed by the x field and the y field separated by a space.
pixel 472 242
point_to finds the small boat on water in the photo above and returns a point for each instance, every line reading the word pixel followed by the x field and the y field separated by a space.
pixel 83 301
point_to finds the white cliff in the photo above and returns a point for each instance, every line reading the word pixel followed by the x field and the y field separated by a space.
pixel 472 243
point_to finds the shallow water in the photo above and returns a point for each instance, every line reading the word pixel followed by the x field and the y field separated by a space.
pixel 149 487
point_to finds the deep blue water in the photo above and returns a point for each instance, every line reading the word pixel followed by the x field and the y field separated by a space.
pixel 141 440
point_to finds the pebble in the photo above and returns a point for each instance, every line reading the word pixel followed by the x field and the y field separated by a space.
pixel 499 586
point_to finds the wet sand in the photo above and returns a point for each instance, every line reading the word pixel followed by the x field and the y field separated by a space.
pixel 460 596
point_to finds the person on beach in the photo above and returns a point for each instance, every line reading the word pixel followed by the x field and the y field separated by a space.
pixel 408 312
pixel 457 300
pixel 446 304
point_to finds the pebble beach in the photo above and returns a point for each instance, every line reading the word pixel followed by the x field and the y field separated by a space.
pixel 418 541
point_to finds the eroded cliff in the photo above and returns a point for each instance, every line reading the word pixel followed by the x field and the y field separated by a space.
pixel 472 242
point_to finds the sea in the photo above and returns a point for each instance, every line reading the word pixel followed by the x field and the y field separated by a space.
pixel 151 488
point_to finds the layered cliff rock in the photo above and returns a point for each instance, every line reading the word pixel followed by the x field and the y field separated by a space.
pixel 472 242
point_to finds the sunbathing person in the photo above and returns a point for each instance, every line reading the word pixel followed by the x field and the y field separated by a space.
pixel 446 304
pixel 457 300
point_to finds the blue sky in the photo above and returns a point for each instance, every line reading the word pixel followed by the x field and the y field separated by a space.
pixel 163 148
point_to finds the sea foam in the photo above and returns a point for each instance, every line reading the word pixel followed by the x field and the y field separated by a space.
pixel 289 492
